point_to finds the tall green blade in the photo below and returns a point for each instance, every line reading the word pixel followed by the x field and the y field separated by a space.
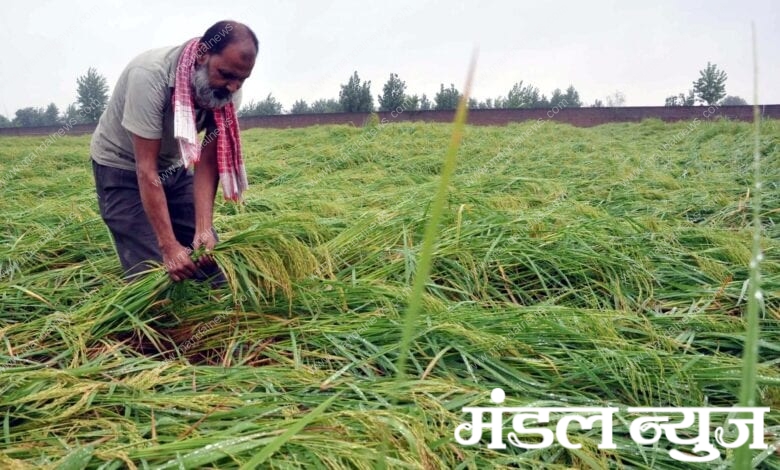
pixel 431 228
pixel 747 396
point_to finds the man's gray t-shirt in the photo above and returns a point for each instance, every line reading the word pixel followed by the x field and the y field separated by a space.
pixel 141 104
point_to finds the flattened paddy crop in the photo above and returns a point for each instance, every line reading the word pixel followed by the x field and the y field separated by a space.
pixel 578 267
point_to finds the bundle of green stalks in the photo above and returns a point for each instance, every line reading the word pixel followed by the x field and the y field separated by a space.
pixel 578 267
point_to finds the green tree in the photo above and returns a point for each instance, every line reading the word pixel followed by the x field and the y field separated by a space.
pixel 300 107
pixel 447 98
pixel 425 103
pixel 91 95
pixel 572 98
pixel 392 96
pixel 681 100
pixel 326 106
pixel 30 117
pixel 711 85
pixel 411 103
pixel 355 97
pixel 487 104
pixel 597 104
pixel 51 115
pixel 556 97
pixel 5 122
pixel 72 114
pixel 268 107
pixel 733 101
pixel 522 96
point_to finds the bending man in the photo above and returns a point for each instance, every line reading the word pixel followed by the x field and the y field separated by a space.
pixel 147 138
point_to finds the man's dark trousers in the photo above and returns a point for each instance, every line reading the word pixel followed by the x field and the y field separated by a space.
pixel 120 205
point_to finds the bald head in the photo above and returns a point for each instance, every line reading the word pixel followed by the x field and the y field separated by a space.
pixel 226 56
pixel 226 33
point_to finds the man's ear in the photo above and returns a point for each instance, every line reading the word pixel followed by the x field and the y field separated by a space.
pixel 202 58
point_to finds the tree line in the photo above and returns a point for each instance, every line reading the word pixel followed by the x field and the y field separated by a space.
pixel 355 96
pixel 91 101
pixel 709 89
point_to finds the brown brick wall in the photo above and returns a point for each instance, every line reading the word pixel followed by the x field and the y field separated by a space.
pixel 581 117
pixel 48 130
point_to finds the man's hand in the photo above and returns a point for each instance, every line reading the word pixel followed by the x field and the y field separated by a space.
pixel 177 262
pixel 207 240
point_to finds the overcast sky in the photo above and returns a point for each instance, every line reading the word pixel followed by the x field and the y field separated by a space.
pixel 647 50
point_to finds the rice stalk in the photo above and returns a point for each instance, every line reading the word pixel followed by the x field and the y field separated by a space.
pixel 747 395
pixel 429 238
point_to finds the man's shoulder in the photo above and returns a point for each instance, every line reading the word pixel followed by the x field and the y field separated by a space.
pixel 159 63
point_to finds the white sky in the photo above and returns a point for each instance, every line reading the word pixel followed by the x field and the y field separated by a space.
pixel 309 48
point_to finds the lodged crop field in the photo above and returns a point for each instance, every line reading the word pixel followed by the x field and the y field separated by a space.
pixel 573 267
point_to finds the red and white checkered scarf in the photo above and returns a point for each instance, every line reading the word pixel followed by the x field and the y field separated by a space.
pixel 229 163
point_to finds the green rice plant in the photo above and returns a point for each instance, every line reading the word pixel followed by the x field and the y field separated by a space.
pixel 747 396
pixel 429 238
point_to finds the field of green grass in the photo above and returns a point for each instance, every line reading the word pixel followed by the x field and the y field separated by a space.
pixel 573 267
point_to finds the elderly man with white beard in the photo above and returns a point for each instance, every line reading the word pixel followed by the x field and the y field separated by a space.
pixel 155 179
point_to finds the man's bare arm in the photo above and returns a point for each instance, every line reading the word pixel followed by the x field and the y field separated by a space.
pixel 205 187
pixel 175 256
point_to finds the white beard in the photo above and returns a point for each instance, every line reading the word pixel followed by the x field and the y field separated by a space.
pixel 205 96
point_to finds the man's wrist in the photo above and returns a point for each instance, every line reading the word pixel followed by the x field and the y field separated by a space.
pixel 168 244
pixel 203 228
